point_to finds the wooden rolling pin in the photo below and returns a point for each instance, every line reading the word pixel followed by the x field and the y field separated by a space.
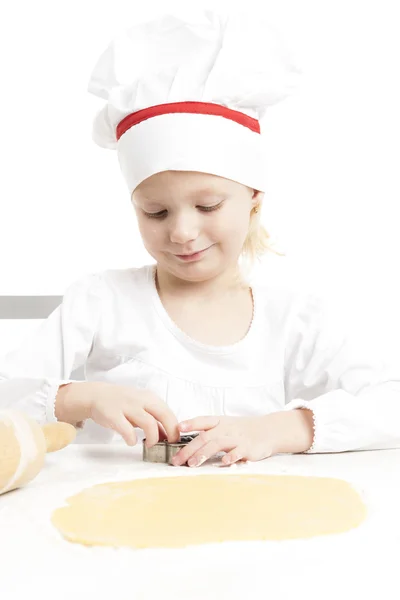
pixel 23 445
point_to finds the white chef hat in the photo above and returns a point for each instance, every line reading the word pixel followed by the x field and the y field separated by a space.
pixel 187 93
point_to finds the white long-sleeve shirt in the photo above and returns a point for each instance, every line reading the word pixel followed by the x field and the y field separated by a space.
pixel 294 355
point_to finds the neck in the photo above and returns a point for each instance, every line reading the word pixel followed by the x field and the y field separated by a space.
pixel 225 283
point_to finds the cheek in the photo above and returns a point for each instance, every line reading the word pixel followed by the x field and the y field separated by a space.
pixel 149 231
pixel 234 225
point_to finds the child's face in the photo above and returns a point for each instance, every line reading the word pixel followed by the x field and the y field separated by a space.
pixel 183 212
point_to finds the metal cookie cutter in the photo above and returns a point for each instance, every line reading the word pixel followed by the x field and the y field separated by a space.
pixel 164 452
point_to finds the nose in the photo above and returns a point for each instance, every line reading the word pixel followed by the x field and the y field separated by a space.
pixel 184 227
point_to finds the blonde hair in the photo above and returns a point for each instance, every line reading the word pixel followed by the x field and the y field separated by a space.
pixel 256 245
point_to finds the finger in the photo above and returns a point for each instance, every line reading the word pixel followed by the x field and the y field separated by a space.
pixel 191 448
pixel 160 411
pixel 199 424
pixel 121 425
pixel 210 449
pixel 162 435
pixel 149 425
pixel 235 455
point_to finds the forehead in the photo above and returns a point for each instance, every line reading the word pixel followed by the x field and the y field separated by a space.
pixel 162 186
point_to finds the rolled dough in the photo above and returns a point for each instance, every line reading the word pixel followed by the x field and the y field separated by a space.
pixel 173 512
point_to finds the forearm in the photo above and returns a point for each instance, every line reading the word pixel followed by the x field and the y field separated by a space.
pixel 292 431
pixel 33 396
pixel 345 422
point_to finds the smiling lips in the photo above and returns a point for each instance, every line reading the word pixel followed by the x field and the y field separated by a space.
pixel 193 256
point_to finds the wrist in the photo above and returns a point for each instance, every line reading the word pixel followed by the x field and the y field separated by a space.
pixel 72 404
pixel 292 431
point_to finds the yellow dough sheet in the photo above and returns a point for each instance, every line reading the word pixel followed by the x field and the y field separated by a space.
pixel 174 512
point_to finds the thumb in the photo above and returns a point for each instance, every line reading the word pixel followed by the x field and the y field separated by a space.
pixel 199 424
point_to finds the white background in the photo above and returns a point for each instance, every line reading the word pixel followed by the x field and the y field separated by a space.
pixel 333 164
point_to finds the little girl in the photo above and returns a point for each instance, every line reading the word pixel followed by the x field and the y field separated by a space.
pixel 186 344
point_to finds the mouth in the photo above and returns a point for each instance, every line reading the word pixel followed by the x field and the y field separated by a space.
pixel 194 256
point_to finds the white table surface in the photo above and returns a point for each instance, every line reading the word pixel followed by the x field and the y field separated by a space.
pixel 35 561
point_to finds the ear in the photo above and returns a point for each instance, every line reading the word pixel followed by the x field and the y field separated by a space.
pixel 257 198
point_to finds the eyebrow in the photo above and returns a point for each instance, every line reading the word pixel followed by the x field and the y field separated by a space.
pixel 208 191
pixel 197 193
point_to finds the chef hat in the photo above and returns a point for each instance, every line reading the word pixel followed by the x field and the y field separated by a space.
pixel 187 93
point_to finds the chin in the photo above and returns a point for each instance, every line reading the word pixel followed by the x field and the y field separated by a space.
pixel 194 272
pixel 197 273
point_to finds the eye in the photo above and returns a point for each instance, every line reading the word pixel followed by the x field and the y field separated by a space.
pixel 162 213
pixel 157 215
pixel 210 208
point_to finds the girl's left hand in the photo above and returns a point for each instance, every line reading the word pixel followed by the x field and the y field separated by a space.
pixel 246 438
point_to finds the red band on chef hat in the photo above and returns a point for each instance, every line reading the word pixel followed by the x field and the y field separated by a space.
pixel 205 108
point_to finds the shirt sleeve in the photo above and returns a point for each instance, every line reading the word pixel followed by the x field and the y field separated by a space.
pixel 31 374
pixel 349 384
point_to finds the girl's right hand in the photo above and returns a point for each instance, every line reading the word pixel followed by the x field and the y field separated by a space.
pixel 118 407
